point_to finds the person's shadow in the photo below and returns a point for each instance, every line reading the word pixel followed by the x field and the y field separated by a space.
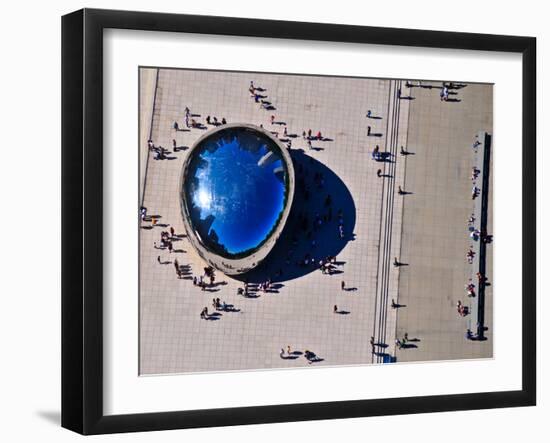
pixel 310 203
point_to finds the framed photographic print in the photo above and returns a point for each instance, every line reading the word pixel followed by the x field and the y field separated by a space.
pixel 270 221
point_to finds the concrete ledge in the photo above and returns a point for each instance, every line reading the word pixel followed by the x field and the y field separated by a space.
pixel 481 210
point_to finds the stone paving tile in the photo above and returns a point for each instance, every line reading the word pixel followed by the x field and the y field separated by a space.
pixel 173 339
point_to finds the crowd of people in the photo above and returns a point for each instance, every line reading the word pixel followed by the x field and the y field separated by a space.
pixel 159 153
pixel 404 342
pixel 191 122
pixel 310 356
pixel 252 289
pixel 219 307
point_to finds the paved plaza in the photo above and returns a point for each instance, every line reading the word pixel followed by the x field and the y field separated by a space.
pixel 435 237
pixel 425 227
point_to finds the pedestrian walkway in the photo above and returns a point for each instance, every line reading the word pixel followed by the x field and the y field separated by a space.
pixel 435 236
pixel 148 88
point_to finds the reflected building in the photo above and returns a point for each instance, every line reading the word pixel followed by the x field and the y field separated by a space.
pixel 236 191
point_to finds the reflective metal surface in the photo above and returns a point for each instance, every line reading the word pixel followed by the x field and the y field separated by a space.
pixel 235 189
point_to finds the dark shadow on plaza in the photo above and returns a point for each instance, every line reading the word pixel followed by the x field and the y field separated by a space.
pixel 342 312
pixel 303 242
pixel 289 357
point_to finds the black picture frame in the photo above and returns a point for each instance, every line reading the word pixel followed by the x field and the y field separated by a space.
pixel 82 215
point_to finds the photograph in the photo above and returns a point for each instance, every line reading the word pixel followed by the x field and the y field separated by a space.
pixel 291 221
pixel 230 221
